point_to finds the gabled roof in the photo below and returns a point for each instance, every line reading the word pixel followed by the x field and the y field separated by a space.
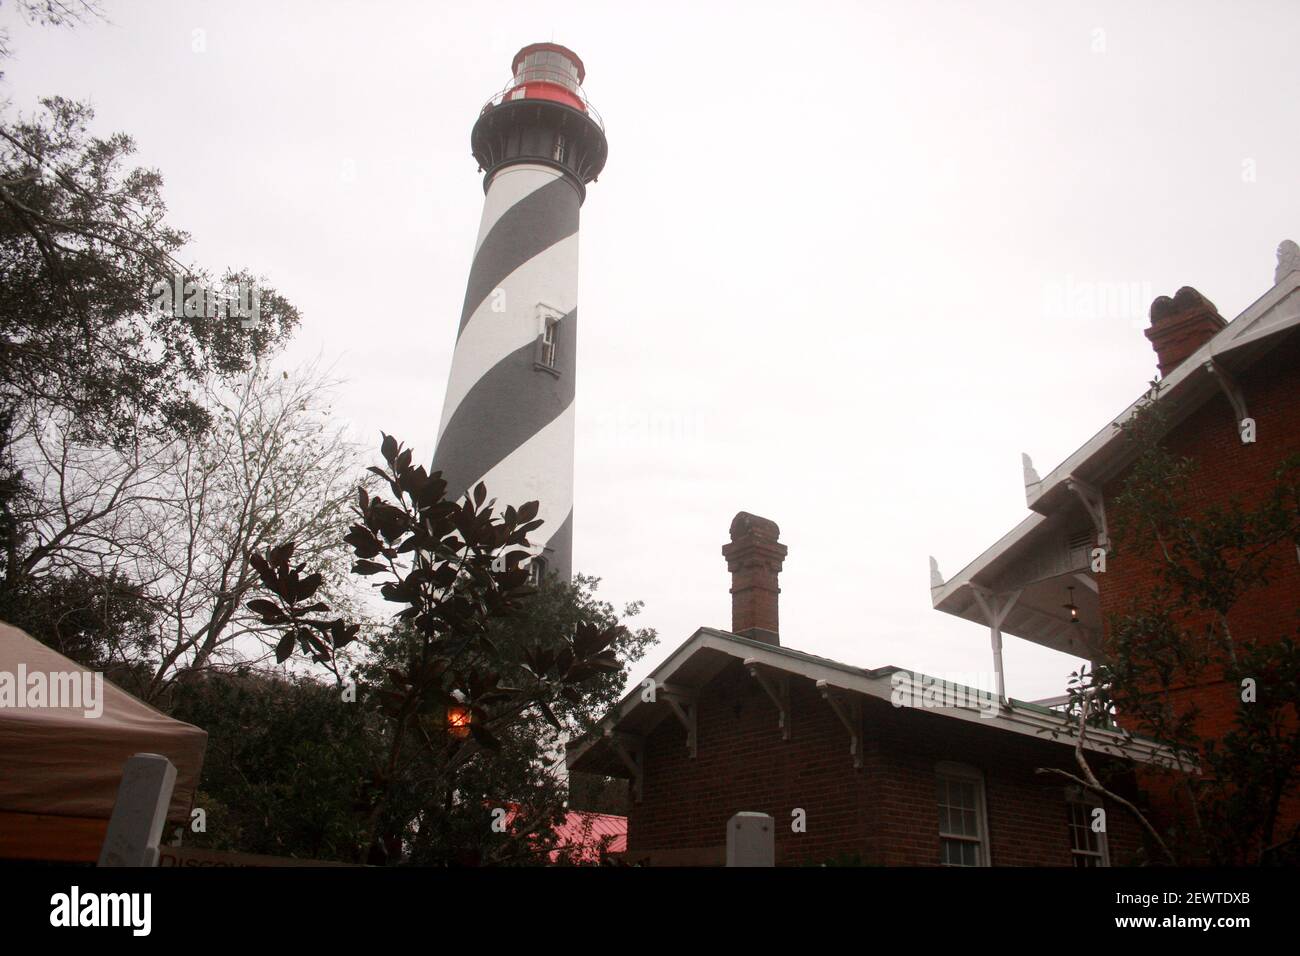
pixel 1033 555
pixel 708 651
pixel 1235 347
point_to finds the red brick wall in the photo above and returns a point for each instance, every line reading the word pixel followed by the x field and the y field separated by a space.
pixel 743 764
pixel 885 813
pixel 1026 810
pixel 1227 468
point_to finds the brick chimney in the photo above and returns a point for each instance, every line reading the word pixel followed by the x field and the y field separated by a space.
pixel 1180 326
pixel 754 558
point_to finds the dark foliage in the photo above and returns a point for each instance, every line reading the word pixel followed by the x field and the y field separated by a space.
pixel 448 693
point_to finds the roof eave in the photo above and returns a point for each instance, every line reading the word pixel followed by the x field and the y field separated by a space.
pixel 1261 320
pixel 1235 346
pixel 877 683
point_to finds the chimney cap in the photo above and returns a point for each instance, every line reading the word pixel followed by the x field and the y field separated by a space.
pixel 754 558
pixel 1185 300
pixel 747 525
pixel 1180 326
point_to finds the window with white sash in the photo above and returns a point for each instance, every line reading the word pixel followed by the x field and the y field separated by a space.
pixel 549 331
pixel 1086 819
pixel 963 823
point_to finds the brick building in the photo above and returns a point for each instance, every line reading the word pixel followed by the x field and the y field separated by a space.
pixel 879 766
pixel 735 721
pixel 1232 391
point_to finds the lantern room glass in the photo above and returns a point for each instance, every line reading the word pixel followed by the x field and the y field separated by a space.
pixel 548 66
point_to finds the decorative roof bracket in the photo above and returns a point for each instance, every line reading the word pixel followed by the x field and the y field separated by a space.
pixel 1234 395
pixel 1095 505
pixel 777 687
pixel 849 710
pixel 1088 581
pixel 631 750
pixel 685 705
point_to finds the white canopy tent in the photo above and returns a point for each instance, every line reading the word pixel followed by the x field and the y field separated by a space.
pixel 60 766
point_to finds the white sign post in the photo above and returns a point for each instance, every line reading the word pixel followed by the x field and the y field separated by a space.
pixel 751 840
pixel 135 829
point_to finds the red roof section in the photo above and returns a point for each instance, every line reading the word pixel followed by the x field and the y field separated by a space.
pixel 590 835
pixel 592 832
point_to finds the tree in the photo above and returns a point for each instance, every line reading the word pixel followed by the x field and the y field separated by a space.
pixel 178 518
pixel 1178 634
pixel 85 349
pixel 84 247
pixel 268 786
pixel 525 776
pixel 56 13
pixel 454 569
pixel 559 608
pixel 291 763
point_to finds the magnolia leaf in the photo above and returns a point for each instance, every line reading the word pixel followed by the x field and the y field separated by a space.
pixel 269 610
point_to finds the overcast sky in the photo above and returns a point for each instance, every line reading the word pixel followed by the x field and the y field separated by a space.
pixel 836 271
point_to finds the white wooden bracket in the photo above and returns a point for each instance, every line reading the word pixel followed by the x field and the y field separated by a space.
pixel 996 607
pixel 684 704
pixel 777 687
pixel 1232 390
pixel 1096 507
pixel 631 750
pixel 1088 581
pixel 849 710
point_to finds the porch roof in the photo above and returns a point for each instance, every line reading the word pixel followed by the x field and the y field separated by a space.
pixel 1042 556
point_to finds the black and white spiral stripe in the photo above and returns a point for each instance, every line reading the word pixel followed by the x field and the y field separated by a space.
pixel 506 420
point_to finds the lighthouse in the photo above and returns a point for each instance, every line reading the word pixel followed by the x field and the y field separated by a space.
pixel 507 419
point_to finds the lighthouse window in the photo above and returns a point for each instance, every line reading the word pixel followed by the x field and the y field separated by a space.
pixel 558 155
pixel 548 342
pixel 536 571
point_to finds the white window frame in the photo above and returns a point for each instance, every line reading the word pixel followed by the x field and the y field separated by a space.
pixel 550 322
pixel 550 333
pixel 964 773
pixel 1087 801
pixel 536 570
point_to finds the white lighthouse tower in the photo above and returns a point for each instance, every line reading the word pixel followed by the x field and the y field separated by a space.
pixel 508 416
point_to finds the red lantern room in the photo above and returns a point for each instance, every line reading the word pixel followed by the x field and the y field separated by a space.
pixel 542 117
pixel 548 71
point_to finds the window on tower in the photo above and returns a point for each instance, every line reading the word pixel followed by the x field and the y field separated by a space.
pixel 536 571
pixel 549 331
pixel 549 337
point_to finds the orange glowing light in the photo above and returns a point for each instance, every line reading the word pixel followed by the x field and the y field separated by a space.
pixel 458 721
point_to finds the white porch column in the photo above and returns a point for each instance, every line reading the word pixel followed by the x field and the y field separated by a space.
pixel 996 607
